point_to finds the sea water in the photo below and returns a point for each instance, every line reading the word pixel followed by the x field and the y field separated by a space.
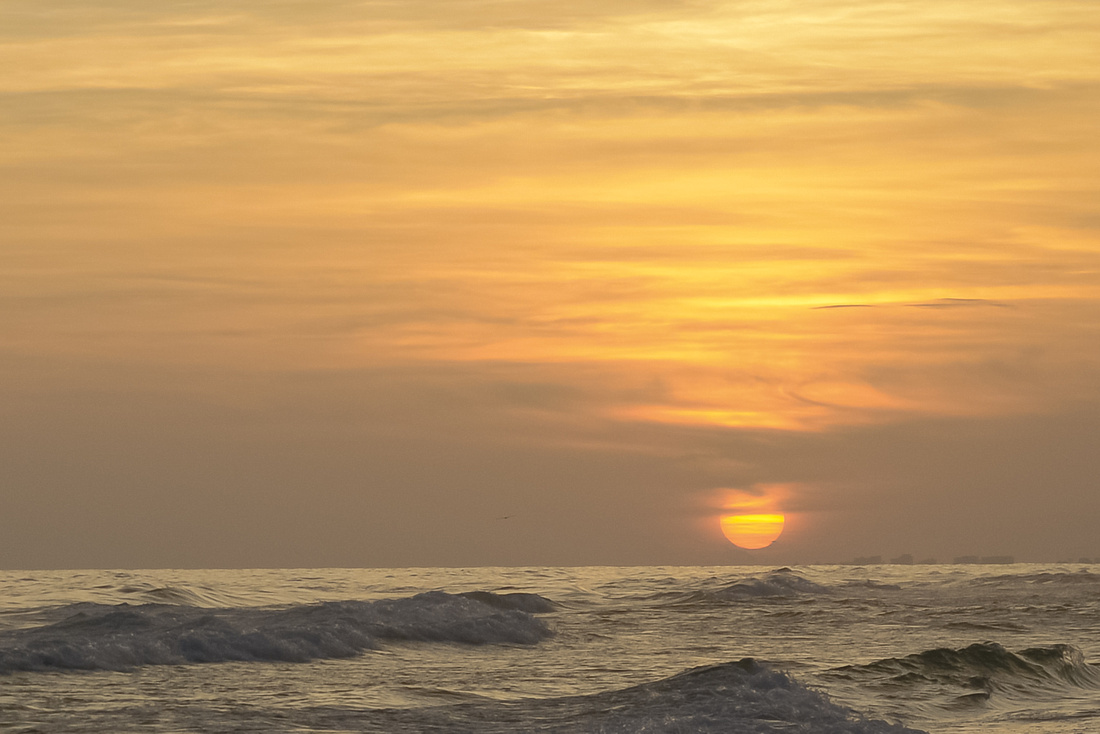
pixel 864 650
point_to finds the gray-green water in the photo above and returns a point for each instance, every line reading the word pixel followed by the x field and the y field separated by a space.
pixel 934 648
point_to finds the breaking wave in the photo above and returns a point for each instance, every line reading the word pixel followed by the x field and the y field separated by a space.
pixel 195 595
pixel 532 603
pixel 977 673
pixel 780 584
pixel 91 636
pixel 744 696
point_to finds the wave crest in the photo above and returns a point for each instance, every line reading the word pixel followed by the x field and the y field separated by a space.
pixel 109 637
pixel 781 583
pixel 977 672
pixel 523 602
pixel 1045 578
pixel 743 696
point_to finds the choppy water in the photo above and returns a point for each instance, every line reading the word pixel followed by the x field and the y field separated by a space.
pixel 738 649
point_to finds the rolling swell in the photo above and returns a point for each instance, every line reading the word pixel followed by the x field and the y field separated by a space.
pixel 532 603
pixel 977 673
pixel 122 637
pixel 780 584
pixel 743 696
pixel 196 596
pixel 1045 578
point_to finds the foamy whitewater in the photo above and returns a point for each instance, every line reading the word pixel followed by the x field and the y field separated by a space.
pixel 858 650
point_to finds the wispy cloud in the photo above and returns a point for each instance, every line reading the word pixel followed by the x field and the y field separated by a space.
pixel 391 266
pixel 752 213
pixel 960 303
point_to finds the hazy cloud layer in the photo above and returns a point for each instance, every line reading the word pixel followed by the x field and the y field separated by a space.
pixel 333 283
pixel 419 468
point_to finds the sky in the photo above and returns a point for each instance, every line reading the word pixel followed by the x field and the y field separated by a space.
pixel 518 282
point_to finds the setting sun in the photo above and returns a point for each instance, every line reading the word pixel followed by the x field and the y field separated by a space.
pixel 752 531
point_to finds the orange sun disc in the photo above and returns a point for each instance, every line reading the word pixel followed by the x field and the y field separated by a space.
pixel 752 531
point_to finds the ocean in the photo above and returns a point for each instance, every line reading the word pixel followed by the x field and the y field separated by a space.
pixel 856 649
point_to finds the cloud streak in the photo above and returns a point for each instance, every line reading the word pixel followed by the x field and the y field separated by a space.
pixel 562 238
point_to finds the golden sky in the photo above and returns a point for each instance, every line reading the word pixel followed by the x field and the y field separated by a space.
pixel 592 222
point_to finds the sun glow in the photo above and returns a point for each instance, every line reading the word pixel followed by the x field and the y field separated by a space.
pixel 752 532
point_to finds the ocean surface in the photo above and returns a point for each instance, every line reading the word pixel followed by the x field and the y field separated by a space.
pixel 1009 648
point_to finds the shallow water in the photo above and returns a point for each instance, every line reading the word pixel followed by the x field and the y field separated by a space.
pixel 813 649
